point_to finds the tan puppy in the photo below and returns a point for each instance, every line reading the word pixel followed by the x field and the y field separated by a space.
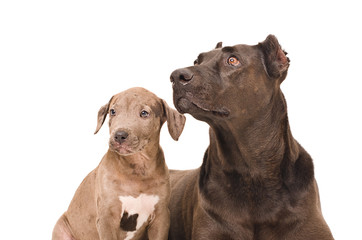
pixel 127 195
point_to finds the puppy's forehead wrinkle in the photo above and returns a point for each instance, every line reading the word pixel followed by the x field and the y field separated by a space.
pixel 129 105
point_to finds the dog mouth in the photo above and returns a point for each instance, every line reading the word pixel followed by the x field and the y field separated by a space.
pixel 121 148
pixel 188 103
pixel 124 148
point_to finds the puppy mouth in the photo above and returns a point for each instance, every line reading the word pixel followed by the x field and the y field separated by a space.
pixel 189 103
pixel 121 148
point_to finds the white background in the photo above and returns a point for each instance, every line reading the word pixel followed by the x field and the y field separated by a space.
pixel 60 61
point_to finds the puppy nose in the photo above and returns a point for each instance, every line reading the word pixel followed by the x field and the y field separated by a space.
pixel 120 136
pixel 182 75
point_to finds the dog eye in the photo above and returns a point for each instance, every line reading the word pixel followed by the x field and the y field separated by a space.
pixel 233 61
pixel 112 112
pixel 144 114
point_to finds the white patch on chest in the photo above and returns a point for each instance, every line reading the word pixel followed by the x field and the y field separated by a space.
pixel 143 205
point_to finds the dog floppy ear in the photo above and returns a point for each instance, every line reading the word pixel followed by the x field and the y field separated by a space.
pixel 218 45
pixel 175 121
pixel 102 114
pixel 275 60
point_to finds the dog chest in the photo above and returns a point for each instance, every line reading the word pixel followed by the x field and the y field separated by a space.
pixel 136 211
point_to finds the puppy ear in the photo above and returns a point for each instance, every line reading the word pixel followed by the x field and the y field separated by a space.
pixel 175 121
pixel 102 114
pixel 275 60
pixel 218 45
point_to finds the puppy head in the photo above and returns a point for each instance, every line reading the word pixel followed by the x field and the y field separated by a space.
pixel 135 120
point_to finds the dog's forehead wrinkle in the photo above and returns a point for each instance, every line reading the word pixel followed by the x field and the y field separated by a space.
pixel 241 49
pixel 228 49
pixel 206 56
pixel 135 103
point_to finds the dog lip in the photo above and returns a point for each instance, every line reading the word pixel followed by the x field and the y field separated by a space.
pixel 201 107
pixel 184 103
pixel 121 149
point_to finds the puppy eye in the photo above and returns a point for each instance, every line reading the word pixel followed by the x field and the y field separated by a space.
pixel 144 114
pixel 233 61
pixel 112 112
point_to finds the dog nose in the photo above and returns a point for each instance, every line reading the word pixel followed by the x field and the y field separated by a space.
pixel 120 136
pixel 182 75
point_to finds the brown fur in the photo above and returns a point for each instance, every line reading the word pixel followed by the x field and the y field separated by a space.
pixel 128 169
pixel 256 182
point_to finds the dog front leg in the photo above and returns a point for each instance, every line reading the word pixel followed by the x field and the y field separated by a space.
pixel 105 230
pixel 159 227
pixel 107 226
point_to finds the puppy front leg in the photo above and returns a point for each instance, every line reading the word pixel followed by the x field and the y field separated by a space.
pixel 159 227
pixel 105 229
pixel 107 226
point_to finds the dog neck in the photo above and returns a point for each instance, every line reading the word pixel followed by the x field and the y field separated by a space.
pixel 141 164
pixel 261 159
pixel 257 148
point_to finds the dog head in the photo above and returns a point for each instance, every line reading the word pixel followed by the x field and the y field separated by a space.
pixel 135 119
pixel 230 82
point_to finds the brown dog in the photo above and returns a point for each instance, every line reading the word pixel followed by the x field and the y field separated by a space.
pixel 256 182
pixel 127 195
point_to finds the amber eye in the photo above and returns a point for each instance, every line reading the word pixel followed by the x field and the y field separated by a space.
pixel 144 114
pixel 112 112
pixel 233 61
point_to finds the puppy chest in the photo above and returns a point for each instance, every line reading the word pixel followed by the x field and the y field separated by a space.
pixel 136 211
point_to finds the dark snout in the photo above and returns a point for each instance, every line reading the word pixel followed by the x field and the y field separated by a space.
pixel 197 91
pixel 182 75
pixel 120 136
